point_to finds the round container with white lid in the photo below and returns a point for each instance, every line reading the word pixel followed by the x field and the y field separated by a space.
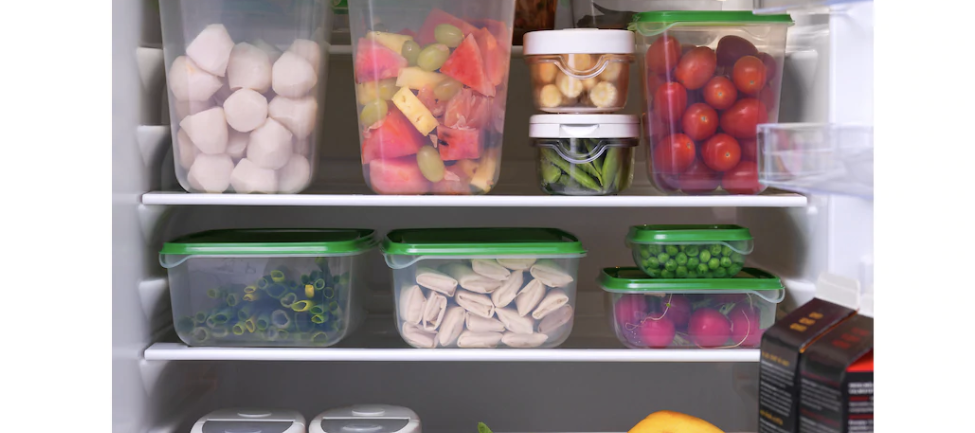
pixel 372 418
pixel 250 420
pixel 585 154
pixel 579 70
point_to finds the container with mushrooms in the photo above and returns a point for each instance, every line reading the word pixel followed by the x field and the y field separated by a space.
pixel 579 70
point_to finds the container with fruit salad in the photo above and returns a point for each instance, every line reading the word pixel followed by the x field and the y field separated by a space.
pixel 431 98
pixel 579 70
pixel 709 78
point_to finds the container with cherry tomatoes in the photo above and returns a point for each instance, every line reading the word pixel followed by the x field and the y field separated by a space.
pixel 709 78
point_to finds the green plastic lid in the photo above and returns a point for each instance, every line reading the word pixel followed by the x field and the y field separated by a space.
pixel 481 242
pixel 649 234
pixel 708 18
pixel 272 242
pixel 633 280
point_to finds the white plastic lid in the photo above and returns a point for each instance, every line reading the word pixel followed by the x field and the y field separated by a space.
pixel 584 126
pixel 578 41
pixel 369 418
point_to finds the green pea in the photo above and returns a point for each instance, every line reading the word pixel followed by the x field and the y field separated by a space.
pixel 672 250
pixel 411 50
pixel 644 253
pixel 705 256
pixel 726 262
pixel 654 249
pixel 720 273
pixel 691 274
pixel 681 259
pixel 653 262
pixel 715 250
pixel 431 166
pixel 682 247
pixel 671 265
pixel 708 275
pixel 692 251
pixel 734 270
pixel 693 262
pixel 433 57
pixel 373 112
pixel 726 251
pixel 663 257
pixel 702 268
pixel 681 272
pixel 738 258
pixel 714 263
pixel 447 89
pixel 667 274
pixel 448 35
pixel 654 273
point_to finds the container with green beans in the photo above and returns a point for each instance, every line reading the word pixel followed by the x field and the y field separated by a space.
pixel 690 251
pixel 585 154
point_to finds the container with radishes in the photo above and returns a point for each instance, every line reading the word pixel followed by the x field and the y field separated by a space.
pixel 722 313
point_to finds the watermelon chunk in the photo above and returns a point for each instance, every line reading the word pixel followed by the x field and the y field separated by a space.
pixel 429 100
pixel 434 19
pixel 468 110
pixel 466 65
pixel 374 61
pixel 459 143
pixel 495 59
pixel 498 29
pixel 395 137
pixel 397 176
pixel 408 32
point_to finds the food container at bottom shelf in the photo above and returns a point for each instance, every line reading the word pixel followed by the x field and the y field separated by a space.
pixel 579 70
pixel 250 420
pixel 585 154
pixel 690 251
pixel 267 287
pixel 431 84
pixel 709 78
pixel 246 87
pixel 694 313
pixel 483 287
pixel 371 418
pixel 617 14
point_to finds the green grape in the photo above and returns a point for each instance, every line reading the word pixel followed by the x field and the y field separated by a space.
pixel 726 262
pixel 433 57
pixel 681 259
pixel 373 112
pixel 693 262
pixel 448 35
pixel 682 247
pixel 411 50
pixel 705 256
pixel 672 250
pixel 447 89
pixel 430 163
pixel 714 263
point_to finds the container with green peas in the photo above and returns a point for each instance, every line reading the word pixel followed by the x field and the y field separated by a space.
pixel 690 251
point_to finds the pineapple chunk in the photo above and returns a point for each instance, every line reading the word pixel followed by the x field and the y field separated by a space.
pixel 392 41
pixel 416 78
pixel 484 176
pixel 421 117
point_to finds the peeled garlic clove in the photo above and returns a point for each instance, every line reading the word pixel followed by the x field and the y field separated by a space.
pixel 529 297
pixel 295 175
pixel 237 144
pixel 292 76
pixel 512 339
pixel 208 130
pixel 482 340
pixel 308 50
pixel 570 87
pixel 270 145
pixel 555 320
pixel 453 325
pixel 515 322
pixel 185 149
pixel 210 173
pixel 604 95
pixel 245 110
pixel 249 68
pixel 554 300
pixel 211 49
pixel 508 290
pixel 550 96
pixel 299 115
pixel 249 177
pixel 190 83
pixel 417 337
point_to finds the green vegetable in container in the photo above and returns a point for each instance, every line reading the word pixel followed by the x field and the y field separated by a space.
pixel 589 167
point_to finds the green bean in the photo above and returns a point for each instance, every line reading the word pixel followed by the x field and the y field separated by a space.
pixel 611 167
pixel 583 180
pixel 550 173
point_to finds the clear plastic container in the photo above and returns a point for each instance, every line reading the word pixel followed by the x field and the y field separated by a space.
pixel 246 89
pixel 709 314
pixel 431 82
pixel 267 287
pixel 585 154
pixel 690 251
pixel 617 14
pixel 709 78
pixel 484 287
pixel 579 70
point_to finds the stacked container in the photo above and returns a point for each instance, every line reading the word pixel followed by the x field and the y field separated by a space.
pixel 617 14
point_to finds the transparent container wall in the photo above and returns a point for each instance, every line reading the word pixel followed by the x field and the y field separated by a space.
pixel 580 83
pixel 701 125
pixel 431 84
pixel 531 15
pixel 246 88
pixel 513 303
pixel 585 166
pixel 817 158
pixel 716 320
pixel 340 23
pixel 261 301
pixel 692 260
pixel 617 14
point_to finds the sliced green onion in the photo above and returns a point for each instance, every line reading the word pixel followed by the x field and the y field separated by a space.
pixel 215 293
pixel 276 291
pixel 319 284
pixel 263 321
pixel 221 317
pixel 233 299
pixel 305 279
pixel 220 331
pixel 288 300
pixel 251 297
pixel 264 283
pixel 245 311
pixel 337 326
pixel 333 306
pixel 302 306
pixel 250 324
pixel 280 319
pixel 309 290
pixel 319 337
pixel 283 334
pixel 318 319
pixel 200 317
pixel 185 325
pixel 277 276
pixel 250 289
pixel 272 334
pixel 317 310
pixel 238 329
pixel 199 335
pixel 328 293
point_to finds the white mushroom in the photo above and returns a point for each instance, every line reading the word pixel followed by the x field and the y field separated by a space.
pixel 299 115
pixel 185 108
pixel 211 49
pixel 208 130
pixel 249 67
pixel 237 144
pixel 185 149
pixel 190 83
pixel 210 173
pixel 295 175
pixel 245 110
pixel 248 177
pixel 308 50
pixel 302 147
pixel 270 145
pixel 292 76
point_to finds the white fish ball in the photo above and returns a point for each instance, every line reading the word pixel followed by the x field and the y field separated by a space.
pixel 292 76
pixel 208 130
pixel 211 49
pixel 245 110
pixel 270 145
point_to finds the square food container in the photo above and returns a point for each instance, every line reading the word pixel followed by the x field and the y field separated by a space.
pixel 483 287
pixel 579 70
pixel 617 14
pixel 246 86
pixel 693 313
pixel 250 420
pixel 431 82
pixel 690 251
pixel 585 154
pixel 709 79
pixel 267 287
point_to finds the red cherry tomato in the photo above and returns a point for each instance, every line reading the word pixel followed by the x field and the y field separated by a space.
pixel 663 54
pixel 742 179
pixel 749 75
pixel 700 121
pixel 771 67
pixel 749 149
pixel 674 154
pixel 699 179
pixel 741 119
pixel 653 83
pixel 696 67
pixel 669 101
pixel 660 129
pixel 721 152
pixel 768 97
pixel 720 93
pixel 731 48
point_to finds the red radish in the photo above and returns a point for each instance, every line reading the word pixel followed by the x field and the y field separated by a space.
pixel 744 326
pixel 657 333
pixel 709 328
pixel 679 310
pixel 630 309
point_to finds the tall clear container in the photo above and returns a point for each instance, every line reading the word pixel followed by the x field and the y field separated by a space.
pixel 246 91
pixel 431 82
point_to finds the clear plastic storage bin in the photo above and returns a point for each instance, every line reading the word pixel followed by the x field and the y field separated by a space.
pixel 431 81
pixel 690 251
pixel 617 14
pixel 709 78
pixel 484 287
pixel 710 314
pixel 246 89
pixel 267 287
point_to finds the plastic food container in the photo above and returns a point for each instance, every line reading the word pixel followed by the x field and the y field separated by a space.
pixel 690 251
pixel 617 14
pixel 579 70
pixel 250 420
pixel 266 287
pixel 585 154
pixel 696 313
pixel 484 287
pixel 532 15
pixel 246 88
pixel 431 81
pixel 709 78
pixel 373 418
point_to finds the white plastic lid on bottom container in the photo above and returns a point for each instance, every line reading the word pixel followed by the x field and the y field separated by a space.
pixel 367 418
pixel 584 126
pixel 251 420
